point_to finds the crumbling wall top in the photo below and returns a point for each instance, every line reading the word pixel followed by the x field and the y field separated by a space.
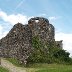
pixel 38 19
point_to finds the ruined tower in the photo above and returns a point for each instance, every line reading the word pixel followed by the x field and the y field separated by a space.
pixel 41 27
pixel 18 42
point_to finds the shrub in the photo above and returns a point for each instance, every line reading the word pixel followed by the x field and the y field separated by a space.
pixel 47 53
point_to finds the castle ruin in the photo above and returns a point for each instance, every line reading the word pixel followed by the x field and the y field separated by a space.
pixel 18 42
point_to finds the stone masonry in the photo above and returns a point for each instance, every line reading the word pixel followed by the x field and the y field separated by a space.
pixel 18 42
pixel 40 27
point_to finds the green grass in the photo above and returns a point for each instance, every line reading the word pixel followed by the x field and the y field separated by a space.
pixel 43 67
pixel 54 70
pixel 51 68
pixel 14 61
pixel 3 69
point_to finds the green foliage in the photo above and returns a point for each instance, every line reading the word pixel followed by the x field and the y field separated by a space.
pixel 3 69
pixel 47 53
pixel 62 55
pixel 14 61
pixel 35 42
pixel 39 54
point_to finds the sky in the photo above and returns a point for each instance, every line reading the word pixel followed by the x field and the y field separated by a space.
pixel 58 12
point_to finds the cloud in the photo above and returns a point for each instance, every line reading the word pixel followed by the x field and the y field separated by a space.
pixel 52 18
pixel 67 41
pixel 1 28
pixel 7 20
pixel 2 32
pixel 13 18
pixel 42 14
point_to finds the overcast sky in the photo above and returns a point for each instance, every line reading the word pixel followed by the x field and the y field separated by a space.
pixel 58 12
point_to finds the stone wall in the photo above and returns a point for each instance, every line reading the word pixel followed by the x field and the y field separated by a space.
pixel 42 28
pixel 59 44
pixel 18 42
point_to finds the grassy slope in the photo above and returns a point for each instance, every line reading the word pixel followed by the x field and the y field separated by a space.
pixel 52 68
pixel 3 69
pixel 44 67
pixel 14 61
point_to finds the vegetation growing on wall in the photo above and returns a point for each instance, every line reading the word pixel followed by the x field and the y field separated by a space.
pixel 47 53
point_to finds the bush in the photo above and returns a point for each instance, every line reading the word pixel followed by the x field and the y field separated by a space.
pixel 47 53
pixel 62 55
